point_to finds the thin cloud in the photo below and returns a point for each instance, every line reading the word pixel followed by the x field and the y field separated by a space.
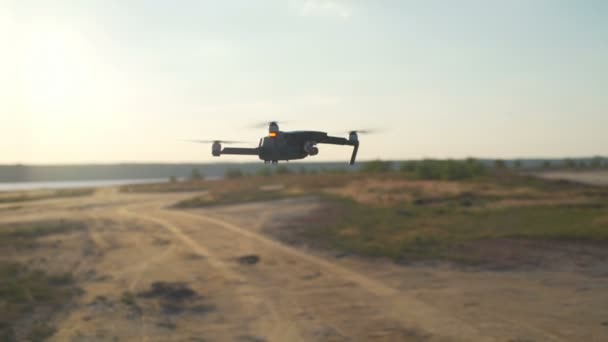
pixel 323 8
pixel 214 48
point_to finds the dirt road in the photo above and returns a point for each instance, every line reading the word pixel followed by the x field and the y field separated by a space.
pixel 150 273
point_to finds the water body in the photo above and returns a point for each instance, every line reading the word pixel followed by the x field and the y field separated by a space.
pixel 20 186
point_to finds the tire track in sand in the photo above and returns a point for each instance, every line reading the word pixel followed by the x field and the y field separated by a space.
pixel 276 326
pixel 400 306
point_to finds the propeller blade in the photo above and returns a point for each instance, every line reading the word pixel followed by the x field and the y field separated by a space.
pixel 216 141
pixel 265 124
pixel 364 131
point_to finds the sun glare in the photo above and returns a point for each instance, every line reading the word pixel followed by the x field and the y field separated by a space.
pixel 57 69
pixel 66 83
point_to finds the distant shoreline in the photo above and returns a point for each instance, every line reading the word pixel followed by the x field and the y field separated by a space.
pixel 27 186
pixel 91 172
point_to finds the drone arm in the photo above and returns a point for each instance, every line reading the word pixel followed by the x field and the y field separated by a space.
pixel 354 155
pixel 241 151
pixel 343 141
pixel 336 141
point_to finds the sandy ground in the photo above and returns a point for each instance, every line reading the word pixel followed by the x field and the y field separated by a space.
pixel 284 293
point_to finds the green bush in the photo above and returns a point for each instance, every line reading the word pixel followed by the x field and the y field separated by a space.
pixel 476 168
pixel 283 170
pixel 432 169
pixel 517 164
pixel 499 164
pixel 233 173
pixel 128 298
pixel 377 166
pixel 41 332
pixel 569 163
pixel 264 172
pixel 196 175
pixel 454 170
pixel 337 171
pixel 408 166
pixel 428 169
pixel 25 290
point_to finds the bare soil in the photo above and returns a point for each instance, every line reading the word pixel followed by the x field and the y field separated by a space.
pixel 152 273
pixel 593 177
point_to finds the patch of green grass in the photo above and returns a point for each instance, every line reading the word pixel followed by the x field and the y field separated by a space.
pixel 507 178
pixel 23 290
pixel 128 298
pixel 19 284
pixel 432 169
pixel 223 198
pixel 41 332
pixel 434 225
pixel 23 234
pixel 7 332
pixel 250 189
pixel 412 231
pixel 563 222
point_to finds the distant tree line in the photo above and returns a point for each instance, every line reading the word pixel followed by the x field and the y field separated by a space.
pixel 269 171
pixel 430 169
pixel 566 163
pixel 427 169
pixel 593 163
pixel 434 169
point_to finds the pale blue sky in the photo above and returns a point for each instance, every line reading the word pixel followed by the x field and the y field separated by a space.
pixel 108 81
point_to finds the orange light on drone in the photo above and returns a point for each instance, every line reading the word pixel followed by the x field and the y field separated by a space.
pixel 273 134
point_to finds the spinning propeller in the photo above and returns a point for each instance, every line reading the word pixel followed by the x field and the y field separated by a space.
pixel 264 124
pixel 364 131
pixel 217 141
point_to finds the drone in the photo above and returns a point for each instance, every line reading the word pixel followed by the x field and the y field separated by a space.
pixel 285 146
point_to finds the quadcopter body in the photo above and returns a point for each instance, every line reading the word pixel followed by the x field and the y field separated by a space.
pixel 285 146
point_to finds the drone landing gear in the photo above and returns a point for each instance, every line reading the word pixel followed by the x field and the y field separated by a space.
pixel 271 161
pixel 275 161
